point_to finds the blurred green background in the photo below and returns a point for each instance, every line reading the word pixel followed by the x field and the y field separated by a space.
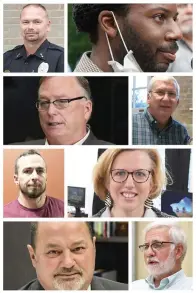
pixel 78 43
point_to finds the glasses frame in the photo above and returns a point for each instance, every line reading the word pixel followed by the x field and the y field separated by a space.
pixel 128 173
pixel 53 102
pixel 165 92
pixel 141 247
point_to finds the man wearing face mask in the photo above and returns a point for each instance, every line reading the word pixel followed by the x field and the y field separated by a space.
pixel 128 37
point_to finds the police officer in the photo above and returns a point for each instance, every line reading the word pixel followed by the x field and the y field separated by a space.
pixel 37 54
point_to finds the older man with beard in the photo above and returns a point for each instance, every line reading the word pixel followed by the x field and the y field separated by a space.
pixel 164 250
pixel 63 255
pixel 31 177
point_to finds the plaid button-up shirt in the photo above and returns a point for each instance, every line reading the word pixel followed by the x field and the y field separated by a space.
pixel 145 131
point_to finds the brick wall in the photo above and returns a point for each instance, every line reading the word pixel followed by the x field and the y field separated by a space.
pixel 183 112
pixel 11 20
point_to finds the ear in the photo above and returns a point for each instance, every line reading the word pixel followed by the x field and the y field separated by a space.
pixel 94 246
pixel 49 25
pixel 107 184
pixel 94 241
pixel 107 23
pixel 148 98
pixel 152 186
pixel 87 110
pixel 16 179
pixel 179 250
pixel 32 255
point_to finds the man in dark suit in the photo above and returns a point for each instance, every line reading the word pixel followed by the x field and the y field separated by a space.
pixel 63 255
pixel 65 106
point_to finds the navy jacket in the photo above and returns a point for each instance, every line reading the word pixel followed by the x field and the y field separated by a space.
pixel 48 58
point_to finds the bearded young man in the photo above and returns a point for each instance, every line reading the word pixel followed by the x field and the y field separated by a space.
pixel 31 177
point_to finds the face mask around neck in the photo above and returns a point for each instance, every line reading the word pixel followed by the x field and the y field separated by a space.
pixel 129 64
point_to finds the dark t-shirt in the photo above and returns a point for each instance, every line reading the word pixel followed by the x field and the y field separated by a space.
pixel 52 208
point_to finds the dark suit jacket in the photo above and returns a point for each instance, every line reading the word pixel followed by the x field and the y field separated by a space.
pixel 105 284
pixel 96 284
pixel 91 140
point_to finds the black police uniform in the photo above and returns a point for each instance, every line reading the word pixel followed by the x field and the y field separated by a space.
pixel 16 60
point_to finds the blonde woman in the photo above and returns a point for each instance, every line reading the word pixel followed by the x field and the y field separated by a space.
pixel 128 180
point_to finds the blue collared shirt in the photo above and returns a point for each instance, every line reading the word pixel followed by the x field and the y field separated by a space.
pixel 164 282
pixel 177 281
pixel 145 131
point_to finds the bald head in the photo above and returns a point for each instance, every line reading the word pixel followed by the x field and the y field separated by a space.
pixel 40 6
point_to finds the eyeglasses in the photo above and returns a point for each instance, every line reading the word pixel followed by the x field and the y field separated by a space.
pixel 161 94
pixel 139 176
pixel 43 105
pixel 158 245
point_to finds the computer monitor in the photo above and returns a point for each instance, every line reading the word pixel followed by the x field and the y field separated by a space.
pixel 76 196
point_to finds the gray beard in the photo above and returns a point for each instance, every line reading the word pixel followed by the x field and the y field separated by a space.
pixel 164 267
pixel 60 284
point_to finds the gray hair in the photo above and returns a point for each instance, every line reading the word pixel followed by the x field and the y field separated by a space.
pixel 82 81
pixel 164 78
pixel 176 233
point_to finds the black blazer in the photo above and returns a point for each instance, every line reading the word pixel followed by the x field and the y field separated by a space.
pixel 91 140
pixel 96 284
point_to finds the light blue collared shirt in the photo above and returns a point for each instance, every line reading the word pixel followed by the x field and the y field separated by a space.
pixel 177 281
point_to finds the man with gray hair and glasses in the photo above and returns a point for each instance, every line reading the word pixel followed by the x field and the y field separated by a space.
pixel 164 250
pixel 155 126
pixel 64 105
